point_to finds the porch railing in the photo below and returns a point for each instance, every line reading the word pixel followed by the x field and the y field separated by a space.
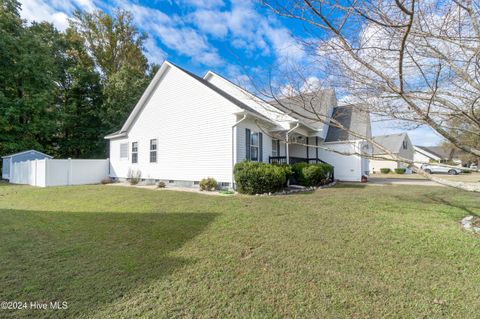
pixel 293 160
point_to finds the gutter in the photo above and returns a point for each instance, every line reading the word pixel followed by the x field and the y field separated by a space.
pixel 112 136
pixel 234 144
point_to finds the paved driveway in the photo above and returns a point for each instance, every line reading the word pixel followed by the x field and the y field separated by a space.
pixel 401 181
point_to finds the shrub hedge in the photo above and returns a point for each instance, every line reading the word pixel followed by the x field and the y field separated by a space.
pixel 400 170
pixel 311 174
pixel 259 178
pixel 385 170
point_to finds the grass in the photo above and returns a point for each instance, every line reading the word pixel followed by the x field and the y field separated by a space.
pixel 345 252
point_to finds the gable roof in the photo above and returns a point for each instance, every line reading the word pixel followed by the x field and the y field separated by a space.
pixel 442 152
pixel 28 151
pixel 427 151
pixel 154 83
pixel 392 142
pixel 308 107
pixel 242 94
pixel 353 118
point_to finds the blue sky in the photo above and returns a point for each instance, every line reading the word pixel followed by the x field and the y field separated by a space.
pixel 230 37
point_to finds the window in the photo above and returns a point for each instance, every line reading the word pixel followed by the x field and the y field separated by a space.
pixel 275 147
pixel 405 145
pixel 124 150
pixel 153 151
pixel 135 152
pixel 254 147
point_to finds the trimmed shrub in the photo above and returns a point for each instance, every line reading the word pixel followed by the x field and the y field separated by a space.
pixel 385 170
pixel 311 174
pixel 400 170
pixel 298 177
pixel 259 178
pixel 288 171
pixel 208 184
pixel 161 185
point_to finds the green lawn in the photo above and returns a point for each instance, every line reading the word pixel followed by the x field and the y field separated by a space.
pixel 345 252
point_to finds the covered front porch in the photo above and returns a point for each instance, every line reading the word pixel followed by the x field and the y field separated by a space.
pixel 298 144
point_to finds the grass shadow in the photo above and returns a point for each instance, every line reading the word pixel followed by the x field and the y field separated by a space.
pixel 453 204
pixel 468 208
pixel 88 259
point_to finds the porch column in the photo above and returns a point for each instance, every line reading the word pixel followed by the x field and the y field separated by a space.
pixel 316 148
pixel 286 152
pixel 307 148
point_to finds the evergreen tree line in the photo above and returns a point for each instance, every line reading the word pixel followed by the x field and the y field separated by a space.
pixel 62 92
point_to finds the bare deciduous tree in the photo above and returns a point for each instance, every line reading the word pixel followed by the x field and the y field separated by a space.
pixel 404 60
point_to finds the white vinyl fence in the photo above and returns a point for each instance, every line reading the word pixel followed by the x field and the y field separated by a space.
pixel 59 172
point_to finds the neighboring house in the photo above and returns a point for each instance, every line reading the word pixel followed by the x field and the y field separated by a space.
pixel 398 144
pixel 185 128
pixel 8 160
pixel 439 154
pixel 424 155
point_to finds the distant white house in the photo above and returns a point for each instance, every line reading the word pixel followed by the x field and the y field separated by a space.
pixel 398 144
pixel 439 154
pixel 425 155
pixel 185 128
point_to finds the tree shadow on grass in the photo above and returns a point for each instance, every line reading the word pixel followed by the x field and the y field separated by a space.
pixel 442 200
pixel 87 259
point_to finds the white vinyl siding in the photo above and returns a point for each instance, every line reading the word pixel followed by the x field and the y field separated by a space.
pixel 240 138
pixel 347 167
pixel 193 128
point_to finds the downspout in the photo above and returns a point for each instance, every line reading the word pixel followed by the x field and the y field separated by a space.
pixel 288 132
pixel 235 144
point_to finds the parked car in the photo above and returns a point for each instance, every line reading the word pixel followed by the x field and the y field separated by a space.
pixel 474 166
pixel 434 169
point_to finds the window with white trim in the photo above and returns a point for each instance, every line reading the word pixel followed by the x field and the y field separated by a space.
pixel 134 152
pixel 124 150
pixel 254 145
pixel 153 150
pixel 275 147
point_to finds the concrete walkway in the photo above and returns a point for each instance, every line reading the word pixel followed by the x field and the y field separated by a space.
pixel 401 181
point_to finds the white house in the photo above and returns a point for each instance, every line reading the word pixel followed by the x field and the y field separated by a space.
pixel 398 144
pixel 439 154
pixel 185 128
pixel 423 154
